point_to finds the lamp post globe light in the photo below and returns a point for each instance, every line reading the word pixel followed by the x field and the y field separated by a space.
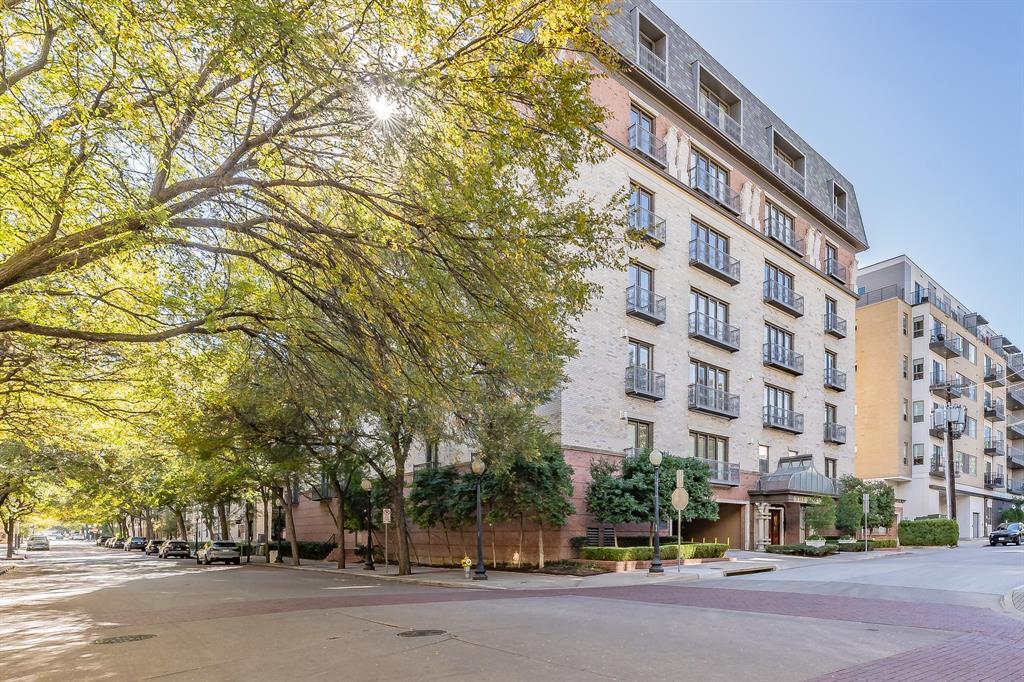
pixel 656 567
pixel 367 485
pixel 480 573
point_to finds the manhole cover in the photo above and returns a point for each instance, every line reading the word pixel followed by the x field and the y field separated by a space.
pixel 122 638
pixel 421 633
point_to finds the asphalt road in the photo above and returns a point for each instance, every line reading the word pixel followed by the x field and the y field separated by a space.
pixel 856 619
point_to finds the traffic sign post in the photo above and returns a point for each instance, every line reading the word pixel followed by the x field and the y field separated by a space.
pixel 385 516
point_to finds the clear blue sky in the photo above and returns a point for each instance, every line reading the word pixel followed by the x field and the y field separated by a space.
pixel 919 104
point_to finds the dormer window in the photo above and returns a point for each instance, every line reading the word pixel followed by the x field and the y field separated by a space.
pixel 839 207
pixel 718 104
pixel 787 161
pixel 651 50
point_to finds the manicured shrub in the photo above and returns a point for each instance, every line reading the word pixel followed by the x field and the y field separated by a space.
pixel 934 532
pixel 802 550
pixel 698 550
pixel 855 546
pixel 642 540
pixel 883 543
pixel 578 542
pixel 316 551
pixel 617 553
pixel 694 550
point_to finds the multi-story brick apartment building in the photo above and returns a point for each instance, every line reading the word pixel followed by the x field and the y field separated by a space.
pixel 915 341
pixel 729 337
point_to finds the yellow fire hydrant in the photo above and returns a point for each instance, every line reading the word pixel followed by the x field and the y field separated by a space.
pixel 467 564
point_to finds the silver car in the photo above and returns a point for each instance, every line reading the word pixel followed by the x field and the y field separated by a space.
pixel 38 542
pixel 219 550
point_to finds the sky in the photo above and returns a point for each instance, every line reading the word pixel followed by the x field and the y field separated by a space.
pixel 919 104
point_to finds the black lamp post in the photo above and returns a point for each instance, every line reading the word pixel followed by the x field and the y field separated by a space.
pixel 655 459
pixel 480 573
pixel 367 485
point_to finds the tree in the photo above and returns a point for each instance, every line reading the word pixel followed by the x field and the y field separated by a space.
pixel 607 497
pixel 436 499
pixel 850 509
pixel 546 489
pixel 1014 512
pixel 820 515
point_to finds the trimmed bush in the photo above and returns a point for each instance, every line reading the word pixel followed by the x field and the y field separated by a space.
pixel 929 532
pixel 617 553
pixel 316 551
pixel 883 543
pixel 697 550
pixel 578 542
pixel 694 550
pixel 802 550
pixel 855 546
pixel 642 540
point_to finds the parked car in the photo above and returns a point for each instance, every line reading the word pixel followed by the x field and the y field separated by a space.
pixel 101 541
pixel 153 547
pixel 135 542
pixel 116 543
pixel 219 550
pixel 1007 533
pixel 175 548
pixel 38 542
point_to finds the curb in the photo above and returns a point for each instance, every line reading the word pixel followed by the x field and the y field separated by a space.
pixel 6 569
pixel 1013 602
pixel 471 585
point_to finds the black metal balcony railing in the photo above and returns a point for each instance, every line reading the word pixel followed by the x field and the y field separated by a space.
pixel 784 298
pixel 647 143
pixel 1015 397
pixel 792 176
pixel 1015 486
pixel 714 261
pixel 721 120
pixel 783 419
pixel 835 325
pixel 651 63
pixel 784 234
pixel 715 187
pixel 1015 429
pixel 942 343
pixel 645 304
pixel 1015 367
pixel 649 225
pixel 714 401
pixel 722 472
pixel 994 410
pixel 995 447
pixel 835 379
pixel 1015 457
pixel 778 356
pixel 645 383
pixel 835 270
pixel 940 383
pixel 835 433
pixel 938 466
pixel 994 375
pixel 994 480
pixel 839 214
pixel 715 332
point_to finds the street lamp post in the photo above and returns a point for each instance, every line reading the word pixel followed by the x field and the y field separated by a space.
pixel 480 573
pixel 655 458
pixel 367 485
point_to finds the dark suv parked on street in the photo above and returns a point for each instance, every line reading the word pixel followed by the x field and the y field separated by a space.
pixel 1007 533
pixel 135 543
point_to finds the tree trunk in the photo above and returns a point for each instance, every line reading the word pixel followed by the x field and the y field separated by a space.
pixel 398 510
pixel 179 520
pixel 266 524
pixel 222 519
pixel 289 523
pixel 149 523
pixel 339 520
pixel 540 545
pixel 447 540
pixel 9 527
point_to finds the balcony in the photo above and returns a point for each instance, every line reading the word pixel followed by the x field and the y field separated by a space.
pixel 715 188
pixel 1015 367
pixel 994 480
pixel 783 419
pixel 714 261
pixel 647 225
pixel 647 144
pixel 994 447
pixel 836 270
pixel 1015 398
pixel 645 383
pixel 778 356
pixel 994 410
pixel 942 344
pixel 994 376
pixel 835 325
pixel 938 427
pixel 1015 458
pixel 651 63
pixel 717 333
pixel 721 120
pixel 1015 430
pixel 938 467
pixel 1015 487
pixel 792 176
pixel 835 379
pixel 839 214
pixel 940 384
pixel 645 305
pixel 784 235
pixel 711 400
pixel 784 298
pixel 835 433
pixel 722 473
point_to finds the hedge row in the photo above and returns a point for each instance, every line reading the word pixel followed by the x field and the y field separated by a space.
pixel 934 532
pixel 883 543
pixel 802 550
pixel 695 550
pixel 316 551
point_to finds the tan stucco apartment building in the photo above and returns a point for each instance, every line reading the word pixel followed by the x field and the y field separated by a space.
pixel 915 341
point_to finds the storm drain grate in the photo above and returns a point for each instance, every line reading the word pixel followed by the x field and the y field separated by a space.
pixel 122 638
pixel 421 633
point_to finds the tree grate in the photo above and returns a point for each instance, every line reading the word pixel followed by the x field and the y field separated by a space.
pixel 122 638
pixel 421 633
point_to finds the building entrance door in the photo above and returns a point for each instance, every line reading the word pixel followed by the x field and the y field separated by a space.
pixel 976 529
pixel 775 526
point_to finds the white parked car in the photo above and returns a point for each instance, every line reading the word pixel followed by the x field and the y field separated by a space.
pixel 219 550
pixel 38 542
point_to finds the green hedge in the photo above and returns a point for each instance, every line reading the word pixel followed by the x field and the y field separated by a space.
pixel 642 540
pixel 698 550
pixel 883 543
pixel 802 550
pixel 933 532
pixel 316 551
pixel 578 542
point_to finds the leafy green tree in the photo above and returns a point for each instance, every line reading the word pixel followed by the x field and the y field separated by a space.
pixel 1015 512
pixel 638 473
pixel 820 515
pixel 850 509
pixel 435 500
pixel 607 497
